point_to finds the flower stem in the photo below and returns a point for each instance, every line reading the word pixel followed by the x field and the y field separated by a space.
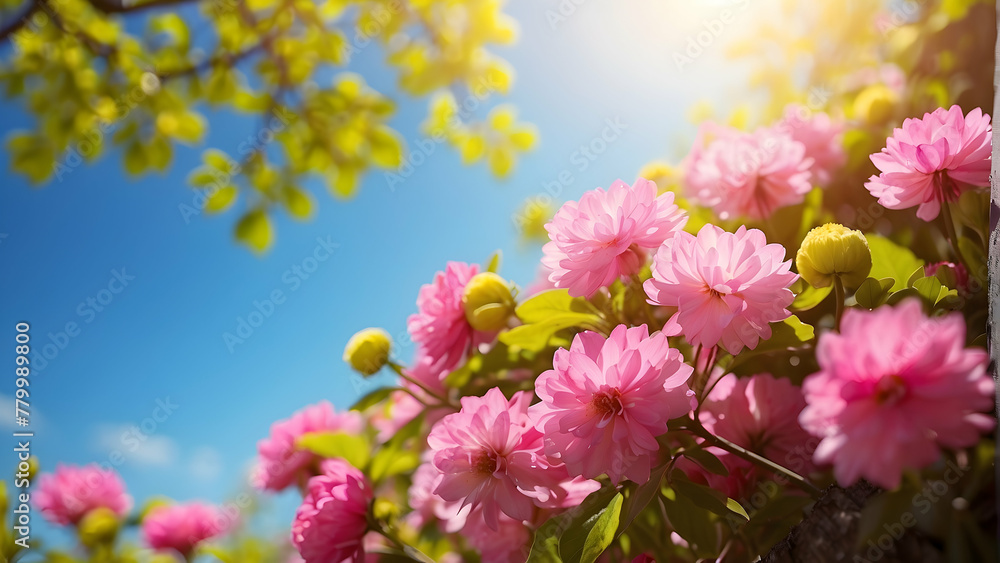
pixel 410 551
pixel 840 296
pixel 697 429
pixel 402 373
pixel 949 231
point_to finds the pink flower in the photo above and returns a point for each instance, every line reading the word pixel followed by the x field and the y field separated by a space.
pixel 510 543
pixel 606 400
pixel 429 507
pixel 606 235
pixel 280 462
pixel 183 526
pixel 491 456
pixel 67 495
pixel 821 136
pixel 893 388
pixel 759 413
pixel 932 160
pixel 439 327
pixel 331 522
pixel 746 174
pixel 727 287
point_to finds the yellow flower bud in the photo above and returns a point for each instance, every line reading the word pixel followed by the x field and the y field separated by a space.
pixel 834 250
pixel 368 351
pixel 488 302
pixel 99 526
pixel 875 103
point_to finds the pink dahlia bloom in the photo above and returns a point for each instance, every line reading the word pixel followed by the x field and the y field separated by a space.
pixel 280 462
pixel 439 327
pixel 331 522
pixel 605 401
pixel 932 160
pixel 893 388
pixel 606 234
pixel 727 287
pixel 760 413
pixel 182 527
pixel 822 137
pixel 491 457
pixel 67 495
pixel 749 175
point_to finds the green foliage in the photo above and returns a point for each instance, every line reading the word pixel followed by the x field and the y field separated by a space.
pixel 94 84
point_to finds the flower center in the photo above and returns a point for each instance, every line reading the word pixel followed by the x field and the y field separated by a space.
pixel 890 389
pixel 486 462
pixel 608 403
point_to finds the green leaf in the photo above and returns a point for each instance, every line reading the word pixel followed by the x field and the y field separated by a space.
pixel 344 182
pixel 351 448
pixel 890 260
pixel 545 544
pixel 494 264
pixel 603 531
pixel 692 523
pixel 222 85
pixel 641 497
pixel 810 296
pixel 32 155
pixel 254 230
pixel 373 398
pixel 577 523
pixel 297 201
pixel 932 290
pixel 222 199
pixel 702 496
pixel 736 508
pixel 706 460
pixel 872 292
pixel 391 461
pixel 386 148
pixel 553 302
pixel 135 160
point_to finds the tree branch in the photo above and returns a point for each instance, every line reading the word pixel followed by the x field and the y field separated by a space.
pixel 126 6
pixel 21 20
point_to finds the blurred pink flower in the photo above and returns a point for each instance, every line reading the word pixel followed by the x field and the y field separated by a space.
pixel 491 457
pixel 606 400
pixel 932 160
pixel 893 388
pixel 606 234
pixel 509 543
pixel 182 527
pixel 280 462
pixel 727 287
pixel 749 175
pixel 330 524
pixel 428 507
pixel 821 136
pixel 759 413
pixel 439 327
pixel 68 494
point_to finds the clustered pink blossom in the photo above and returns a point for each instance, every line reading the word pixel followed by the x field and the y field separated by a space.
pixel 727 287
pixel 439 327
pixel 70 492
pixel 491 456
pixel 933 160
pixel 280 462
pixel 605 401
pixel 330 524
pixel 607 234
pixel 747 175
pixel 894 387
pixel 182 527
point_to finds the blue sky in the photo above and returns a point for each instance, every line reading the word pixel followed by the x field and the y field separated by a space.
pixel 159 337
